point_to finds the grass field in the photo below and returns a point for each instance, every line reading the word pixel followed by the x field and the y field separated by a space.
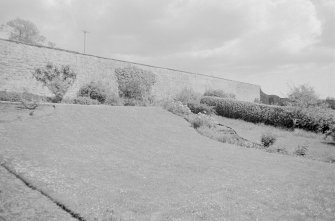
pixel 144 163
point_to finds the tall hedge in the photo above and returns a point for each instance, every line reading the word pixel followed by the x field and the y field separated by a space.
pixel 134 82
pixel 317 120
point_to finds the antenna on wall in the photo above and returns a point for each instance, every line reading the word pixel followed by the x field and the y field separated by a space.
pixel 85 32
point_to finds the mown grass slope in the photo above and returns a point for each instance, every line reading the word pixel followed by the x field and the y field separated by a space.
pixel 139 163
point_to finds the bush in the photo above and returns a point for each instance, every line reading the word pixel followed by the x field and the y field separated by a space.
pixel 311 119
pixel 94 90
pixel 200 108
pixel 268 139
pixel 202 120
pixel 187 95
pixel 301 150
pixel 219 93
pixel 58 79
pixel 85 101
pixel 113 100
pixel 176 107
pixel 134 102
pixel 134 83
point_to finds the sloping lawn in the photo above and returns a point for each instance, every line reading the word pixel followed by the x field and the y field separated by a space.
pixel 141 163
pixel 318 147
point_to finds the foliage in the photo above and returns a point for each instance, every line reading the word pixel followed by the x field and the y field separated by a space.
pixel 176 107
pixel 202 120
pixel 134 102
pixel 311 119
pixel 134 83
pixel 187 95
pixel 58 79
pixel 85 101
pixel 25 31
pixel 94 90
pixel 301 150
pixel 304 96
pixel 200 108
pixel 268 139
pixel 219 93
pixel 18 97
pixel 331 102
pixel 113 100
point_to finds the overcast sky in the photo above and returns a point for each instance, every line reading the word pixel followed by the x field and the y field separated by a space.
pixel 273 43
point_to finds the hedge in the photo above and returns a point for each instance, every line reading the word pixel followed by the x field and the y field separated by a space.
pixel 316 119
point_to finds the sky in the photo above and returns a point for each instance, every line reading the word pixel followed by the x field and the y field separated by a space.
pixel 277 44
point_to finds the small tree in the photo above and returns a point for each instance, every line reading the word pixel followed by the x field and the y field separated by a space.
pixel 58 79
pixel 303 96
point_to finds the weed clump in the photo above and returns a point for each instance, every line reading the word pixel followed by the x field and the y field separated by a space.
pixel 268 139
pixel 301 150
pixel 202 120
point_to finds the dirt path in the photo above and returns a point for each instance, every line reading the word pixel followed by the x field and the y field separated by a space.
pixel 147 164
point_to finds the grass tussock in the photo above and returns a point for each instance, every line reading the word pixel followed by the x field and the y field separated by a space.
pixel 268 139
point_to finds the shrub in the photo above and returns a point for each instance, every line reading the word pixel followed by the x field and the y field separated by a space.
pixel 176 107
pixel 134 83
pixel 58 79
pixel 330 159
pixel 202 120
pixel 187 95
pixel 200 108
pixel 113 100
pixel 85 101
pixel 67 100
pixel 301 150
pixel 219 93
pixel 134 102
pixel 94 90
pixel 268 139
pixel 316 120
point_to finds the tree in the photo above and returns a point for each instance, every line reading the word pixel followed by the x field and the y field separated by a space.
pixel 304 96
pixel 25 31
pixel 58 79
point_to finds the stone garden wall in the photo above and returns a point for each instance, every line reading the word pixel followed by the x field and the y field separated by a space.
pixel 18 61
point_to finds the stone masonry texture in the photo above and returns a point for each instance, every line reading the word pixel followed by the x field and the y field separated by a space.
pixel 18 61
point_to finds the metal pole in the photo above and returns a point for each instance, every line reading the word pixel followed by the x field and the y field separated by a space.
pixel 85 32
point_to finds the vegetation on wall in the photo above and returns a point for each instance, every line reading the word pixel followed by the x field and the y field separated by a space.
pixel 58 79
